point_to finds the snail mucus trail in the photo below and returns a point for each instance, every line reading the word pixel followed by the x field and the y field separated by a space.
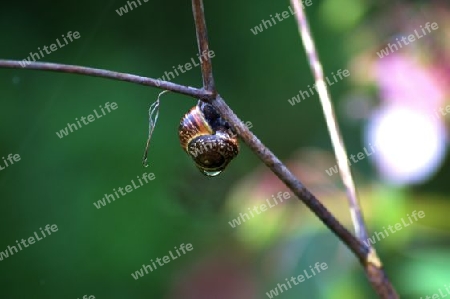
pixel 204 135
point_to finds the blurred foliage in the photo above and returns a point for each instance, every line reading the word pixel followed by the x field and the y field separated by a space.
pixel 95 250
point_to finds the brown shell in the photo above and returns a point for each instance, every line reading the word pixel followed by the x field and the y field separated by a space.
pixel 210 149
pixel 213 152
pixel 193 124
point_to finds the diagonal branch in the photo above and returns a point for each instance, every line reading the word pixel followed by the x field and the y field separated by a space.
pixel 81 70
pixel 289 179
pixel 366 255
pixel 372 263
pixel 203 45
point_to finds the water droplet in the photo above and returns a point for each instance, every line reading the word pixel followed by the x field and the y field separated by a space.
pixel 212 173
pixel 145 162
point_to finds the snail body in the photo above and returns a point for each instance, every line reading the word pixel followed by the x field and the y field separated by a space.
pixel 208 139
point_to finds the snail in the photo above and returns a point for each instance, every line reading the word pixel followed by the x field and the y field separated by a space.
pixel 208 139
pixel 204 135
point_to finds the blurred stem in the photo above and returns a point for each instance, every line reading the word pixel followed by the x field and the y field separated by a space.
pixel 371 262
pixel 330 118
pixel 81 70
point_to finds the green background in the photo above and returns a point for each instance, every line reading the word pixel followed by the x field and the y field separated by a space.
pixel 95 250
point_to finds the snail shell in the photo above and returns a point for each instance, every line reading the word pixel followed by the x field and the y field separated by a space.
pixel 208 139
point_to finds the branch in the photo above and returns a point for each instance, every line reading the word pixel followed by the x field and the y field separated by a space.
pixel 266 156
pixel 372 263
pixel 203 45
pixel 81 70
pixel 289 179
pixel 366 255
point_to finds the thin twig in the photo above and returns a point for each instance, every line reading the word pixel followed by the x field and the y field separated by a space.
pixel 75 69
pixel 333 128
pixel 341 154
pixel 203 45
